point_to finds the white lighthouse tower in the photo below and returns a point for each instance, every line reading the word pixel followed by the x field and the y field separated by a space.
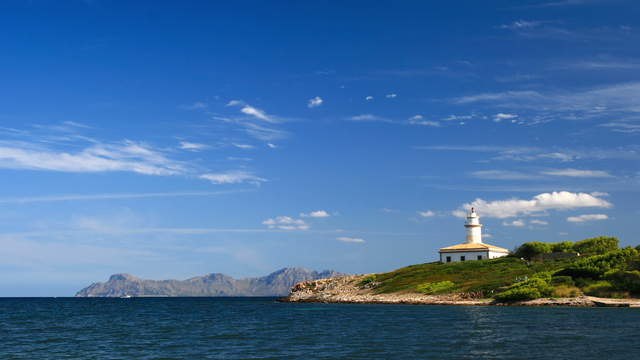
pixel 473 248
pixel 474 228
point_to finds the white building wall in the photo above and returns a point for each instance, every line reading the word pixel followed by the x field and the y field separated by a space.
pixel 468 256
pixel 495 254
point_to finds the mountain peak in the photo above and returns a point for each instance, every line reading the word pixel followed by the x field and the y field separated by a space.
pixel 277 283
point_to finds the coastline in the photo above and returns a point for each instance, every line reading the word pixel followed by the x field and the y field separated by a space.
pixel 345 290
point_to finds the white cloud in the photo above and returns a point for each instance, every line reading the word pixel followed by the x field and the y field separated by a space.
pixel 243 146
pixel 198 105
pixel 591 103
pixel 127 156
pixel 350 239
pixel 391 96
pixel 578 173
pixel 521 153
pixel 502 175
pixel 315 102
pixel 273 146
pixel 587 217
pixel 622 127
pixel 389 211
pixel 514 223
pixel 538 222
pixel 369 117
pixel 85 197
pixel 458 117
pixel 185 145
pixel 369 98
pixel 521 24
pixel 252 111
pixel 562 200
pixel 419 120
pixel 427 213
pixel 316 214
pixel 286 223
pixel 502 116
pixel 232 177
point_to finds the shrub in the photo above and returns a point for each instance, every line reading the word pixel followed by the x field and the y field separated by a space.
pixel 521 293
pixel 565 246
pixel 368 281
pixel 534 288
pixel 602 288
pixel 566 291
pixel 532 249
pixel 597 245
pixel 435 287
pixel 597 266
pixel 562 281
pixel 625 280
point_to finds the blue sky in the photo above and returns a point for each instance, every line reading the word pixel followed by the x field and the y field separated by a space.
pixel 173 139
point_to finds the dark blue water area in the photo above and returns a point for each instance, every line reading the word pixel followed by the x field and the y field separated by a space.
pixel 261 328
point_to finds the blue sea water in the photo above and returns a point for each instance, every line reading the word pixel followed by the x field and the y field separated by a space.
pixel 261 328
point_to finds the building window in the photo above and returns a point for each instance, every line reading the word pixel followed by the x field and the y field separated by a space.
pixel 462 258
pixel 479 257
pixel 448 258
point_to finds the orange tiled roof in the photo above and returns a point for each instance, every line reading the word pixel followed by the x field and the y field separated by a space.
pixel 471 247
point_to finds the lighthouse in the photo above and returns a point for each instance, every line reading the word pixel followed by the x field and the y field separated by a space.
pixel 474 228
pixel 473 248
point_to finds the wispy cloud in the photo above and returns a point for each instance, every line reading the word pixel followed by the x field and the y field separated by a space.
pixel 520 24
pixel 243 146
pixel 198 105
pixel 350 239
pixel 578 173
pixel 252 111
pixel 315 102
pixel 526 154
pixel 88 197
pixel 538 222
pixel 427 213
pixel 502 116
pixel 286 223
pixel 587 217
pixel 594 102
pixel 233 177
pixel 514 223
pixel 127 156
pixel 391 96
pixel 316 214
pixel 622 127
pixel 561 200
pixel 369 117
pixel 419 120
pixel 503 175
pixel 185 145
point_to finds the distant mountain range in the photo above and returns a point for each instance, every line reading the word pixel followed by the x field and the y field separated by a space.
pixel 275 284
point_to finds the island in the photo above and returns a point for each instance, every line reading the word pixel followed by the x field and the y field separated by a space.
pixel 591 272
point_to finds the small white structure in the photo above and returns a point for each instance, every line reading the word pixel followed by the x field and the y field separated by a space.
pixel 474 248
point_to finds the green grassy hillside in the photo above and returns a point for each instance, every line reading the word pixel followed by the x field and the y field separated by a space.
pixel 549 270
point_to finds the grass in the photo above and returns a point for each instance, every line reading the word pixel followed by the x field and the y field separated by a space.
pixel 481 276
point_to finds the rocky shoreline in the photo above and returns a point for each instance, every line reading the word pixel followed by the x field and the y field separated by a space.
pixel 346 290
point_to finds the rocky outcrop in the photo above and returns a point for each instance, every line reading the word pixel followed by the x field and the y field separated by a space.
pixel 274 284
pixel 347 289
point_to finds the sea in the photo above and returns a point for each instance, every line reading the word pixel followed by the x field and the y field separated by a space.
pixel 262 328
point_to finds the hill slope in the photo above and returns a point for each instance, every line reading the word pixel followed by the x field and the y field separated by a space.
pixel 275 284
